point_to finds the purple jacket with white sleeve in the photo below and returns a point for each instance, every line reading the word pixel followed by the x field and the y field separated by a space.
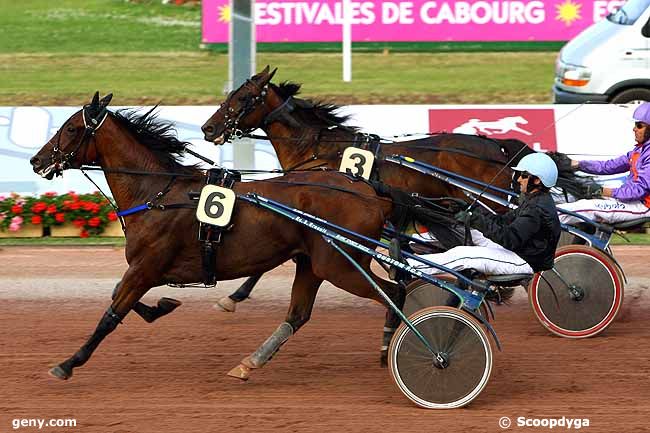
pixel 637 162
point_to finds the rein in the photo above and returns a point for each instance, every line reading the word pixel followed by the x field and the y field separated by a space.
pixel 384 142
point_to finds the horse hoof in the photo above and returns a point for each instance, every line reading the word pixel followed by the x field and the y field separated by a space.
pixel 383 360
pixel 60 373
pixel 226 305
pixel 167 305
pixel 240 372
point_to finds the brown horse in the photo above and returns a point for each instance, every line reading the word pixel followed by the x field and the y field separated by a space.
pixel 139 157
pixel 305 134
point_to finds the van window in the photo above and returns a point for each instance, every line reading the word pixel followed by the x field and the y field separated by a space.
pixel 629 12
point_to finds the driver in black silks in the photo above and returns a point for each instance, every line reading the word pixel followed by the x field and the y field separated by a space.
pixel 522 241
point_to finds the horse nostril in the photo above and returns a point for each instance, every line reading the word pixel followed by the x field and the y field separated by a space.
pixel 208 129
pixel 35 161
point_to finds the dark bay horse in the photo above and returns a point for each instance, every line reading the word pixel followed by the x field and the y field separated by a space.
pixel 138 154
pixel 306 134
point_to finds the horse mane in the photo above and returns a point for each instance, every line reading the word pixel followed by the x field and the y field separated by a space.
pixel 157 135
pixel 318 112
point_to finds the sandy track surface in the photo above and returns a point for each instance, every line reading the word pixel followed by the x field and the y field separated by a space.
pixel 170 376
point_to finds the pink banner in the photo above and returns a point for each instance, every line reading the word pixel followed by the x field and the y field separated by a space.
pixel 413 21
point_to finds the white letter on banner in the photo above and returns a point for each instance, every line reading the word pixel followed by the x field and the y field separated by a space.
pixel 424 13
pixel 367 13
pixel 406 13
pixel 289 9
pixel 355 13
pixel 535 13
pixel 389 13
pixel 517 13
pixel 275 16
pixel 260 13
pixel 310 10
pixel 600 8
pixel 487 16
pixel 462 13
pixel 325 15
pixel 446 14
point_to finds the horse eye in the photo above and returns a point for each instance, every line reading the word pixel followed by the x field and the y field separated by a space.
pixel 71 129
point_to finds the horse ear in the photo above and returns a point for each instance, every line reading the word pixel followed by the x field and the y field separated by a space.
pixel 95 100
pixel 106 100
pixel 272 74
pixel 266 77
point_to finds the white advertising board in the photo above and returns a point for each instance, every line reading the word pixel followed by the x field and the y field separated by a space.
pixel 583 131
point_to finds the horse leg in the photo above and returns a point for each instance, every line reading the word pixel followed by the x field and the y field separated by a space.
pixel 149 314
pixel 397 294
pixel 348 278
pixel 229 303
pixel 303 293
pixel 131 290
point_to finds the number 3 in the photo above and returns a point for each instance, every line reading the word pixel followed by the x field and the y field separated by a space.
pixel 357 162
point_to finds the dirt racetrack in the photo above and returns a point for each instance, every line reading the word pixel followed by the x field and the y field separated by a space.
pixel 170 376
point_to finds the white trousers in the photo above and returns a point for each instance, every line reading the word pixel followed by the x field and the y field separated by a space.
pixel 606 210
pixel 486 257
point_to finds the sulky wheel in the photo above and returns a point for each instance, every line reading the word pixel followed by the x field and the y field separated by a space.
pixel 589 291
pixel 458 371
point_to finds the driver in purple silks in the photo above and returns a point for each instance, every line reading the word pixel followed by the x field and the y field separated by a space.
pixel 631 200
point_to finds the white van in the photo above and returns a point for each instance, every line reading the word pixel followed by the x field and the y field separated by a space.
pixel 609 62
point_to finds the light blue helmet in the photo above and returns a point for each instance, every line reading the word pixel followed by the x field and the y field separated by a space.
pixel 642 113
pixel 540 165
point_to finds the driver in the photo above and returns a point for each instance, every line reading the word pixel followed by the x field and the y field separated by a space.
pixel 521 241
pixel 631 200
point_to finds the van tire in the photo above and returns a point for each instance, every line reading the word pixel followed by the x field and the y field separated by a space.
pixel 629 95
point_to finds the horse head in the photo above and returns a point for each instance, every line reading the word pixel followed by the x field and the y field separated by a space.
pixel 242 111
pixel 70 146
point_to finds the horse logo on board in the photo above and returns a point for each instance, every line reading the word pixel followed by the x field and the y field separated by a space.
pixel 501 126
pixel 534 126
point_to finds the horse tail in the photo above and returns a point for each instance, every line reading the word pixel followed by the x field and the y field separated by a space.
pixel 436 217
pixel 571 183
pixel 512 148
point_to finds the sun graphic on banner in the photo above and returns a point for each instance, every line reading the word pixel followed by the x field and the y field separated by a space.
pixel 224 14
pixel 568 12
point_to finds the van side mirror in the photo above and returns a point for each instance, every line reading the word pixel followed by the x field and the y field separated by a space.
pixel 645 31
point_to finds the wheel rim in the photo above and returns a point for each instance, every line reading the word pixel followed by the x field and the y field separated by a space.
pixel 458 376
pixel 590 307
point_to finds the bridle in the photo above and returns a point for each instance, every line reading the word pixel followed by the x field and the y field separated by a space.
pixel 91 126
pixel 232 118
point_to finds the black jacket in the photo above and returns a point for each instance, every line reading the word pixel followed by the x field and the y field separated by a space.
pixel 532 231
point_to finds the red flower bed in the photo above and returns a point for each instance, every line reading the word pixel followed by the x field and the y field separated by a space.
pixel 90 212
